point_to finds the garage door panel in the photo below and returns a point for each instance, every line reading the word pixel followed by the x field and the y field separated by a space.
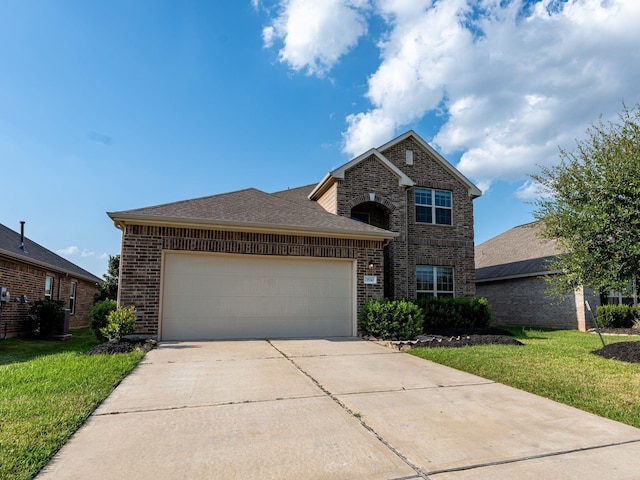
pixel 215 296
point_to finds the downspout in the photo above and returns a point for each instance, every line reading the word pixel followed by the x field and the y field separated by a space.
pixel 406 236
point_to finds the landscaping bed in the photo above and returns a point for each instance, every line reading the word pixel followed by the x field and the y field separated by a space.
pixel 123 346
pixel 463 337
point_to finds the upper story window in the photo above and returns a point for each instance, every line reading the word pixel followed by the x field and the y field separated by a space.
pixel 48 287
pixel 433 206
pixel 72 297
pixel 434 281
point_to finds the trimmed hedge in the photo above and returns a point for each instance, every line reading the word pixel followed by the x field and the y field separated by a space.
pixel 617 316
pixel 387 319
pixel 409 318
pixel 444 312
pixel 47 317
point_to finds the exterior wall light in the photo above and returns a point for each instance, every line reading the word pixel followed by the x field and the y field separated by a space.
pixel 371 265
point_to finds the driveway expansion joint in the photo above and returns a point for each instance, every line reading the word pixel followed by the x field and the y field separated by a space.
pixel 200 405
pixel 419 472
pixel 532 457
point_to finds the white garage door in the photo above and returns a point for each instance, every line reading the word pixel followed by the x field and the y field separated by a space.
pixel 222 296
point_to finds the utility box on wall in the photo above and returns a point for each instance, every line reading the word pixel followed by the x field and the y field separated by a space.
pixel 5 296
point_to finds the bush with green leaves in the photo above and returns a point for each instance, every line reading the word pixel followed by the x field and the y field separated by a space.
pixel 120 322
pixel 387 319
pixel 445 312
pixel 617 316
pixel 47 317
pixel 98 317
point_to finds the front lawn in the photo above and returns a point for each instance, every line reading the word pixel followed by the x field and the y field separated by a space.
pixel 47 390
pixel 557 364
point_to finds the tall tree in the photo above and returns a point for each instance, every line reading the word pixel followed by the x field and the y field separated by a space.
pixel 108 289
pixel 591 205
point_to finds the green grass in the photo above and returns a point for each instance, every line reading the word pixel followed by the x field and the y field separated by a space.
pixel 47 390
pixel 557 364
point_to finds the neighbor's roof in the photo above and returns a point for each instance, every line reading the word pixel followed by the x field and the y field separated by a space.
pixel 519 252
pixel 36 254
pixel 251 210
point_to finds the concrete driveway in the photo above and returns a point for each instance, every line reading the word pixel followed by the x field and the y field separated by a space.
pixel 332 409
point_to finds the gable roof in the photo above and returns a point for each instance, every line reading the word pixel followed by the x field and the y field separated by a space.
pixel 36 254
pixel 403 179
pixel 519 252
pixel 473 190
pixel 251 210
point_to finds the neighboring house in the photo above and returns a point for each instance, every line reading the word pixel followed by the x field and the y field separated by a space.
pixel 31 272
pixel 512 271
pixel 396 221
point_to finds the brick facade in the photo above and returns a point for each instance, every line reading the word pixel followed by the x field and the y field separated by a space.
pixel 21 278
pixel 524 302
pixel 370 183
pixel 142 247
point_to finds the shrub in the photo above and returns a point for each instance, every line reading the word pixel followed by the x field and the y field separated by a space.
pixel 386 319
pixel 444 312
pixel 98 317
pixel 120 322
pixel 617 316
pixel 47 317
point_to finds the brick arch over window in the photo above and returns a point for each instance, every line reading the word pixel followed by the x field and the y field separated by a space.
pixel 387 204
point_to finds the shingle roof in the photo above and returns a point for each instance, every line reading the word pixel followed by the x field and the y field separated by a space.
pixel 35 253
pixel 299 195
pixel 254 209
pixel 515 253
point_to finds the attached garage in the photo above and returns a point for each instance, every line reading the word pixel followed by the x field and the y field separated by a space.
pixel 221 296
pixel 247 264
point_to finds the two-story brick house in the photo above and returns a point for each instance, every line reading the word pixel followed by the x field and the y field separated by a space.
pixel 396 221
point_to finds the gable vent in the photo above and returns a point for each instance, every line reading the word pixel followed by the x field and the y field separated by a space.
pixel 409 157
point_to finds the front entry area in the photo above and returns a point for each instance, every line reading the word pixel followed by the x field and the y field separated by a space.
pixel 208 296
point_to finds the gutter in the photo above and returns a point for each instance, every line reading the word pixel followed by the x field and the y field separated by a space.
pixel 120 220
pixel 521 275
pixel 47 266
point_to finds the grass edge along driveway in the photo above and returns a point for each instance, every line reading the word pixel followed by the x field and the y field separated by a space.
pixel 556 364
pixel 47 391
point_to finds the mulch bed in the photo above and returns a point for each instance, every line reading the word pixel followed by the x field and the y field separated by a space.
pixel 123 346
pixel 461 337
pixel 625 351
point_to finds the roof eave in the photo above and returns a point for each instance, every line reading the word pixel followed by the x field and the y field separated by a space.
pixel 122 219
pixel 47 266
pixel 321 187
pixel 543 273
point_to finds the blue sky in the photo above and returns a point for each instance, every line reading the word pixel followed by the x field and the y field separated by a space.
pixel 107 106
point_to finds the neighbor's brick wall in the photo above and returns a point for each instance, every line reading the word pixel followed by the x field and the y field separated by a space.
pixel 25 279
pixel 524 302
pixel 417 244
pixel 141 259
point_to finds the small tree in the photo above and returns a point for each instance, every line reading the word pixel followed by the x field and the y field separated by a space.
pixel 120 322
pixel 593 207
pixel 108 289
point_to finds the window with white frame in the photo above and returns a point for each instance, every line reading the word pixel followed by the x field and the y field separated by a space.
pixel 48 287
pixel 433 206
pixel 434 281
pixel 72 297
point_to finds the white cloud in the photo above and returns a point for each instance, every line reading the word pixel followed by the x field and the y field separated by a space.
pixel 531 190
pixel 87 253
pixel 103 256
pixel 68 251
pixel 316 34
pixel 513 80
